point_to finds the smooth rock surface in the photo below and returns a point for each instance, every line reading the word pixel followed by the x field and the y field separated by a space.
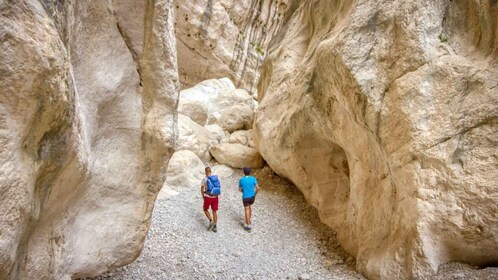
pixel 88 93
pixel 236 155
pixel 243 137
pixel 222 170
pixel 185 170
pixel 217 101
pixel 236 117
pixel 385 115
pixel 195 138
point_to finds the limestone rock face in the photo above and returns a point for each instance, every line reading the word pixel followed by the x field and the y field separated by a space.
pixel 236 155
pixel 226 38
pixel 88 93
pixel 385 115
pixel 185 170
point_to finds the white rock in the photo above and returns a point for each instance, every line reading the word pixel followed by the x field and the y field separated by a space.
pixel 236 117
pixel 216 131
pixel 236 155
pixel 210 100
pixel 222 171
pixel 195 110
pixel 243 137
pixel 195 138
pixel 185 170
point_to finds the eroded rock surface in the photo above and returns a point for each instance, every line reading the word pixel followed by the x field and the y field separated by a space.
pixel 87 110
pixel 385 115
pixel 226 38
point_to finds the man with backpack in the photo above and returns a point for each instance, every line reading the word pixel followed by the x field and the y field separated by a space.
pixel 210 189
pixel 248 185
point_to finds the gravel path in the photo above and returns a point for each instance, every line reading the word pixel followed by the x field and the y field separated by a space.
pixel 287 241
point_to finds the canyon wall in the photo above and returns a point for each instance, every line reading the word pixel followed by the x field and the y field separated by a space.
pixel 227 38
pixel 385 115
pixel 88 124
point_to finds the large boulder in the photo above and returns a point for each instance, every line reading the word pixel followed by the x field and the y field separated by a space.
pixel 222 170
pixel 205 102
pixel 88 91
pixel 216 131
pixel 195 138
pixel 386 117
pixel 236 155
pixel 243 137
pixel 236 117
pixel 185 170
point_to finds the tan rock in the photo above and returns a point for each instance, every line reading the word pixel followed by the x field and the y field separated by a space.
pixel 84 136
pixel 226 38
pixel 222 171
pixel 243 137
pixel 195 138
pixel 385 117
pixel 236 117
pixel 216 131
pixel 185 170
pixel 236 155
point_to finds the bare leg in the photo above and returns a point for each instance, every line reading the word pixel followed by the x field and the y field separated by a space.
pixel 248 215
pixel 206 212
pixel 215 217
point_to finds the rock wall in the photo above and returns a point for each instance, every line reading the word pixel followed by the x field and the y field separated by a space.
pixel 88 124
pixel 385 115
pixel 226 38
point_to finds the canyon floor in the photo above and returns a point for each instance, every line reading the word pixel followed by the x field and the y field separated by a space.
pixel 287 241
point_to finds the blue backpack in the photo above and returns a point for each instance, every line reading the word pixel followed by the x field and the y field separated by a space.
pixel 213 185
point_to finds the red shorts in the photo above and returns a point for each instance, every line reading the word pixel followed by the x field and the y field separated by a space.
pixel 211 201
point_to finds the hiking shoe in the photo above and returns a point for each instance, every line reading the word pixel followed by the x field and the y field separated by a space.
pixel 215 229
pixel 211 225
pixel 247 228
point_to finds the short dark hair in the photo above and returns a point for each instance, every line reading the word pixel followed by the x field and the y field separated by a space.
pixel 247 170
pixel 207 169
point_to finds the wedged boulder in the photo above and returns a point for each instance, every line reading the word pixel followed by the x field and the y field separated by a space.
pixel 243 137
pixel 205 102
pixel 195 110
pixel 236 117
pixel 216 131
pixel 222 170
pixel 185 170
pixel 195 138
pixel 236 155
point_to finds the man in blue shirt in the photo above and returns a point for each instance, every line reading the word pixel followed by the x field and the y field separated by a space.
pixel 248 185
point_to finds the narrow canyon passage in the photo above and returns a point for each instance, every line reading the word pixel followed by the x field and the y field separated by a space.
pixel 288 240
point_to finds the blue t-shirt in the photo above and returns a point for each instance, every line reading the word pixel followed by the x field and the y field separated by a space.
pixel 248 186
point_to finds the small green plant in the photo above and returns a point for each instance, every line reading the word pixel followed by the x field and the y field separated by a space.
pixel 443 38
pixel 257 48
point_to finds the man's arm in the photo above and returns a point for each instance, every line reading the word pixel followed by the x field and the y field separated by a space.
pixel 257 188
pixel 203 188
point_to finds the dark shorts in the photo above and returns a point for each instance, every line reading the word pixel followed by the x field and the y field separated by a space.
pixel 211 201
pixel 248 201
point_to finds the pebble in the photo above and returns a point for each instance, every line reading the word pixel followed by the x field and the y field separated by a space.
pixel 304 277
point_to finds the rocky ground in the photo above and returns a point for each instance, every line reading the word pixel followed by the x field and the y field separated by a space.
pixel 287 241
